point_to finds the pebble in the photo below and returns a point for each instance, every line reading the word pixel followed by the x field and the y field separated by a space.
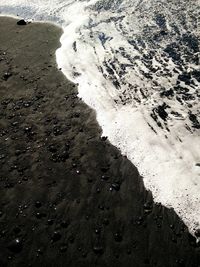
pixel 197 233
pixel 98 249
pixel 64 224
pixel 27 129
pixel 71 239
pixel 6 76
pixel 74 165
pixel 90 180
pixel 15 246
pixel 21 22
pixel 104 138
pixel 128 251
pixel 105 221
pixel 97 231
pixel 40 215
pixel 115 186
pixel 16 230
pixel 50 221
pixel 147 208
pixel 2 156
pixel 56 236
pixel 105 177
pixel 104 168
pixel 38 204
pixel 52 148
pixel 118 237
pixel 63 248
pixel 57 131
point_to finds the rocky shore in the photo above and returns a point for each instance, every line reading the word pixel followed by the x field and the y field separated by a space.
pixel 67 196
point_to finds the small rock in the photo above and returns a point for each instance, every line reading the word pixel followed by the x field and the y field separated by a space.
pixel 90 180
pixel 104 168
pixel 56 236
pixel 40 215
pixel 39 251
pixel 105 177
pixel 15 246
pixel 97 231
pixel 98 190
pixel 21 22
pixel 63 248
pixel 50 221
pixel 6 76
pixel 98 249
pixel 52 148
pixel 2 156
pixel 16 230
pixel 71 239
pixel 118 237
pixel 64 224
pixel 64 156
pixel 57 131
pixel 197 233
pixel 27 129
pixel 116 186
pixel 147 208
pixel 105 221
pixel 38 204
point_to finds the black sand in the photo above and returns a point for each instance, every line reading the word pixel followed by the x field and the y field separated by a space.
pixel 67 197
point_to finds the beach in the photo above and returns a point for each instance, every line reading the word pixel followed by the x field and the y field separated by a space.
pixel 67 196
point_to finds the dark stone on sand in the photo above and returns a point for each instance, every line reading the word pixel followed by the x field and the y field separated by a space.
pixel 97 231
pixel 16 230
pixel 7 75
pixel 147 208
pixel 39 251
pixel 105 168
pixel 50 221
pixel 2 156
pixel 56 236
pixel 115 186
pixel 105 221
pixel 105 177
pixel 63 248
pixel 40 215
pixel 98 249
pixel 197 233
pixel 57 131
pixel 15 246
pixel 64 224
pixel 90 179
pixel 27 129
pixel 118 237
pixel 21 22
pixel 52 148
pixel 38 204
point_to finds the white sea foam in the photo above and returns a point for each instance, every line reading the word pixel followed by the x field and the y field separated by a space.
pixel 125 56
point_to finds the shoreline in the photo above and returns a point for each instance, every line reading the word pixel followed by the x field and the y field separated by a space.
pixel 186 191
pixel 63 201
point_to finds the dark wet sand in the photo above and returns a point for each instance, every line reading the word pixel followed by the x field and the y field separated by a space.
pixel 67 197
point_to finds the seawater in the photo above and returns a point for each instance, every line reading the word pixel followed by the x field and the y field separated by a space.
pixel 137 64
